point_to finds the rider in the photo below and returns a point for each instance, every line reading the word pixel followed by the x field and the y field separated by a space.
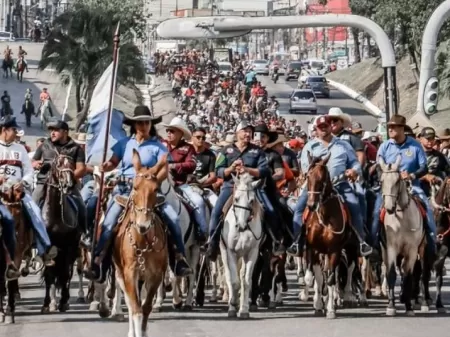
pixel 144 139
pixel 239 157
pixel 7 53
pixel 413 166
pixel 60 142
pixel 28 95
pixel 205 161
pixel 181 165
pixel 45 96
pixel 343 161
pixel 16 170
pixel 21 55
pixel 6 103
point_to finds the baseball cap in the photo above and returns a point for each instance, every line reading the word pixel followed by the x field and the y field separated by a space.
pixel 243 125
pixel 428 132
pixel 322 120
pixel 58 125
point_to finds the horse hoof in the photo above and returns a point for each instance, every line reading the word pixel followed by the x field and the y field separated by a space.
pixel 368 294
pixel 156 309
pixel 302 296
pixel 318 312
pixel 52 307
pixel 424 308
pixel 93 306
pixel 104 312
pixel 272 305
pixel 253 308
pixel 301 281
pixel 45 310
pixel 187 308
pixel 410 313
pixel 331 315
pixel 441 310
pixel 118 317
pixel 177 306
pixel 232 313
pixel 391 312
pixel 244 315
pixel 63 307
pixel 81 300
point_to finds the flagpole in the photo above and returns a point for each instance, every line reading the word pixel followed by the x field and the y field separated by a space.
pixel 106 143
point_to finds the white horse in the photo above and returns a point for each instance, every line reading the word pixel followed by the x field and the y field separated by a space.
pixel 44 113
pixel 241 236
pixel 404 232
pixel 191 247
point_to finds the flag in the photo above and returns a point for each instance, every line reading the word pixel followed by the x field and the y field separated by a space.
pixel 97 120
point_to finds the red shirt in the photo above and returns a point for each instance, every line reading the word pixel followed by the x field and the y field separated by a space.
pixel 182 160
pixel 371 151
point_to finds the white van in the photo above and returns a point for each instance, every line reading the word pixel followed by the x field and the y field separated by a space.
pixel 6 36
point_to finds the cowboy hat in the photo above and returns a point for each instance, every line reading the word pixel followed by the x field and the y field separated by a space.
pixel 142 113
pixel 338 113
pixel 397 120
pixel 262 128
pixel 444 134
pixel 179 124
pixel 281 139
pixel 357 127
pixel 80 138
pixel 229 140
pixel 20 133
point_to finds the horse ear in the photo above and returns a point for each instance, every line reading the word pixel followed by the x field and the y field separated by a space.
pixel 382 163
pixel 398 162
pixel 136 160
pixel 235 179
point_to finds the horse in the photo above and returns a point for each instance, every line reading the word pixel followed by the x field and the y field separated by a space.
pixel 328 232
pixel 20 69
pixel 241 237
pixel 140 246
pixel 44 113
pixel 7 65
pixel 12 198
pixel 404 230
pixel 441 205
pixel 61 216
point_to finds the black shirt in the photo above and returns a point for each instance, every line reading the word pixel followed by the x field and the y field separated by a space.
pixel 206 161
pixel 356 143
pixel 437 164
pixel 274 160
pixel 290 158
pixel 48 151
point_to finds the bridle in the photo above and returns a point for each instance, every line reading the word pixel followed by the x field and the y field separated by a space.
pixel 397 196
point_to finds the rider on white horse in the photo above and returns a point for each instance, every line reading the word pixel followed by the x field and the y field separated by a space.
pixel 239 158
pixel 343 161
pixel 45 97
pixel 182 164
pixel 413 166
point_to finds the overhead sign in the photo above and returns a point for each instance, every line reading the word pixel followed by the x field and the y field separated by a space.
pixel 195 28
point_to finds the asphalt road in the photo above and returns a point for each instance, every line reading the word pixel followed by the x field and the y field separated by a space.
pixel 283 89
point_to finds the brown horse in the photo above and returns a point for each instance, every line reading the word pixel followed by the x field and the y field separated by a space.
pixel 12 199
pixel 20 69
pixel 140 246
pixel 327 232
pixel 62 221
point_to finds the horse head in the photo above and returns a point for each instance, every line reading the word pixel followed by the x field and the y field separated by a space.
pixel 11 196
pixel 62 173
pixel 393 188
pixel 143 199
pixel 245 203
pixel 318 181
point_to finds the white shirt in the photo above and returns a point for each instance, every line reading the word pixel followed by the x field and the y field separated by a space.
pixel 15 163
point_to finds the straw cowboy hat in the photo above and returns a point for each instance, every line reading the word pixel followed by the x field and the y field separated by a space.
pixel 338 113
pixel 142 113
pixel 281 139
pixel 80 138
pixel 229 140
pixel 179 124
pixel 444 134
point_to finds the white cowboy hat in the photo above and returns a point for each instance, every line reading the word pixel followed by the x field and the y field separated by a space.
pixel 80 138
pixel 368 135
pixel 338 113
pixel 179 124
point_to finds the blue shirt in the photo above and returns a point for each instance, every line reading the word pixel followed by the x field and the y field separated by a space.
pixel 249 76
pixel 342 158
pixel 150 152
pixel 412 154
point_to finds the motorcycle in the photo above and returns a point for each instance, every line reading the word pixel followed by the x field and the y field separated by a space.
pixel 275 76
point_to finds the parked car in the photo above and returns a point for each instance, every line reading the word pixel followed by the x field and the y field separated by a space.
pixel 261 67
pixel 319 85
pixel 303 100
pixel 7 36
pixel 225 67
pixel 293 70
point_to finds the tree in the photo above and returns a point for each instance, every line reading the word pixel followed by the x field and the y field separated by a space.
pixel 443 69
pixel 80 47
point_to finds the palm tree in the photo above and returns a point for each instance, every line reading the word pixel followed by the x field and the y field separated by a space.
pixel 81 47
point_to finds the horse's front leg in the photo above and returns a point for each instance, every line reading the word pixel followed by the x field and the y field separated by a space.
pixel 391 275
pixel 116 312
pixel 13 288
pixel 193 261
pixel 232 279
pixel 439 267
pixel 48 285
pixel 318 286
pixel 129 285
pixel 80 298
pixel 246 281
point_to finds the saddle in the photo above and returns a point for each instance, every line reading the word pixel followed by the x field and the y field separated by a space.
pixel 422 209
pixel 344 210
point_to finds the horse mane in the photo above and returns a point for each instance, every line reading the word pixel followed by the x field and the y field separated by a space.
pixel 442 197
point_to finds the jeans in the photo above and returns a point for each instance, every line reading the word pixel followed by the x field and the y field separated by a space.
pixel 88 190
pixel 9 231
pixel 33 213
pixel 430 225
pixel 361 195
pixel 200 206
pixel 345 190
pixel 90 200
pixel 114 210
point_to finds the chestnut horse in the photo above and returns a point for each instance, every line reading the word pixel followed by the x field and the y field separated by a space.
pixel 328 231
pixel 12 199
pixel 140 246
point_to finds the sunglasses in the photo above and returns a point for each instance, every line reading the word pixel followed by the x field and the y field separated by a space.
pixel 334 120
pixel 170 131
pixel 200 137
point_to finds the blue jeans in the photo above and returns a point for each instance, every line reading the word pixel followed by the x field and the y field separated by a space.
pixel 90 200
pixel 361 195
pixel 200 206
pixel 8 232
pixel 34 215
pixel 114 210
pixel 430 226
pixel 87 191
pixel 345 190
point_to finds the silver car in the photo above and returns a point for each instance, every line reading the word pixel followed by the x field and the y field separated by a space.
pixel 303 100
pixel 261 67
pixel 319 85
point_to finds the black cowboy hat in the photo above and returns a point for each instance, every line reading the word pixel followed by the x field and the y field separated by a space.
pixel 263 128
pixel 142 113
